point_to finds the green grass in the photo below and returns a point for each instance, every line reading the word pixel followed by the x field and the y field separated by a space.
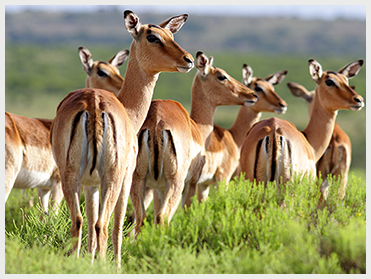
pixel 234 231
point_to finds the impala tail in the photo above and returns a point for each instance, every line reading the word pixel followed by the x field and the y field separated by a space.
pixel 273 153
pixel 94 131
pixel 157 145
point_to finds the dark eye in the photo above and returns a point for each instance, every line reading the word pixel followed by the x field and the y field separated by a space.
pixel 101 73
pixel 329 82
pixel 152 39
pixel 258 89
pixel 222 78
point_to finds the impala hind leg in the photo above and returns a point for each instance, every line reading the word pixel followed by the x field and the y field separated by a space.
pixel 137 197
pixel 92 210
pixel 71 190
pixel 169 200
pixel 110 190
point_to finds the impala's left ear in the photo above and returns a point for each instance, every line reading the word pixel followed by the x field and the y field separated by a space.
pixel 175 23
pixel 352 69
pixel 86 59
pixel 315 70
pixel 247 73
pixel 132 23
pixel 203 64
pixel 118 59
pixel 276 78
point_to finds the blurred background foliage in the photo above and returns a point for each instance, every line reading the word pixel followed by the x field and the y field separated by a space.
pixel 42 64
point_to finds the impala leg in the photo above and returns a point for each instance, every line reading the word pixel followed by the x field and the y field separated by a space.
pixel 175 199
pixel 71 191
pixel 110 190
pixel 43 195
pixel 92 210
pixel 119 217
pixel 189 192
pixel 202 192
pixel 137 196
pixel 56 197
pixel 169 199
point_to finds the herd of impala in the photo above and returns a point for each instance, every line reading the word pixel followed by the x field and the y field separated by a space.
pixel 113 139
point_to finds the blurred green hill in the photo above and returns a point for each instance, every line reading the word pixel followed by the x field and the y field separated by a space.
pixel 42 64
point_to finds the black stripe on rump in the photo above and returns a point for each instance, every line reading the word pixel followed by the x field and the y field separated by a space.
pixel 258 147
pixel 73 130
pixel 274 151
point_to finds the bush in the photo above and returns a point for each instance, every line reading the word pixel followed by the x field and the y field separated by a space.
pixel 246 229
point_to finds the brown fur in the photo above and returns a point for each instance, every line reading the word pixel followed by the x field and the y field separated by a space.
pixel 308 146
pixel 181 155
pixel 223 153
pixel 337 158
pixel 107 130
pixel 20 133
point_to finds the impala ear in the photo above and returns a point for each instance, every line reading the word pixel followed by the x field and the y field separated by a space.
pixel 118 59
pixel 86 59
pixel 352 69
pixel 300 91
pixel 315 70
pixel 132 23
pixel 246 74
pixel 203 64
pixel 175 23
pixel 276 78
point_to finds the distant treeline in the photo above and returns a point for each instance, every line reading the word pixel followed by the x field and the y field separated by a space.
pixel 214 33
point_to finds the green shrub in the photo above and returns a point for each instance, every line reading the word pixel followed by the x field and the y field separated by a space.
pixel 247 229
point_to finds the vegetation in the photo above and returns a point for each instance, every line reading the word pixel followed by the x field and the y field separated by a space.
pixel 243 230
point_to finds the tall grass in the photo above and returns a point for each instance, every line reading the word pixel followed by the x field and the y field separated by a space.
pixel 243 230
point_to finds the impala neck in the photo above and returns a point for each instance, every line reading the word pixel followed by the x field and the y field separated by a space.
pixel 320 127
pixel 137 90
pixel 245 119
pixel 202 112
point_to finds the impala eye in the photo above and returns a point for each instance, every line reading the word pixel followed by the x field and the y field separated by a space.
pixel 329 82
pixel 221 78
pixel 258 89
pixel 102 73
pixel 152 39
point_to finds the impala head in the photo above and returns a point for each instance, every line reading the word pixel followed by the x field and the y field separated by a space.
pixel 101 74
pixel 333 87
pixel 268 99
pixel 154 45
pixel 217 81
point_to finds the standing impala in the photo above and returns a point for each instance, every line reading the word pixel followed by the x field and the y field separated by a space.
pixel 29 161
pixel 94 134
pixel 337 157
pixel 274 150
pixel 172 144
pixel 223 153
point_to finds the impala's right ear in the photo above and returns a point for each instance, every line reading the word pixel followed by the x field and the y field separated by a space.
pixel 132 23
pixel 246 74
pixel 86 59
pixel 315 70
pixel 118 59
pixel 203 64
pixel 300 91
pixel 351 69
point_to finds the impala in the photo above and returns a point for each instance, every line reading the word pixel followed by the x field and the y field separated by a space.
pixel 29 161
pixel 223 153
pixel 94 133
pixel 337 157
pixel 274 150
pixel 101 74
pixel 172 144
